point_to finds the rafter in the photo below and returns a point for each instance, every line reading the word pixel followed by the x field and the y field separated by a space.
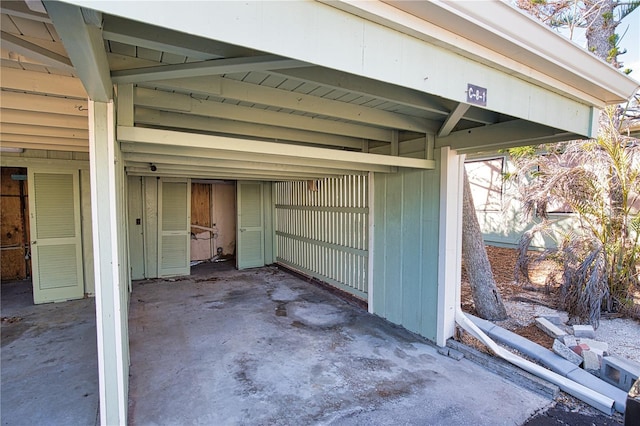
pixel 35 52
pixel 52 132
pixel 221 175
pixel 204 68
pixel 23 10
pixel 400 95
pixel 502 135
pixel 38 82
pixel 253 93
pixel 183 103
pixel 453 118
pixel 209 124
pixel 85 47
pixel 30 139
pixel 140 159
pixel 150 37
pixel 39 103
pixel 42 119
pixel 199 170
pixel 355 84
pixel 149 149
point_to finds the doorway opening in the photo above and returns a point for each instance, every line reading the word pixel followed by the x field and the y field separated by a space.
pixel 213 221
pixel 14 206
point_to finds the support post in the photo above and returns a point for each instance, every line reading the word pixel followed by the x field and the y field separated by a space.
pixel 450 242
pixel 111 315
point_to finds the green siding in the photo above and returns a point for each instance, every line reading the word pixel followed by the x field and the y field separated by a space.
pixel 405 269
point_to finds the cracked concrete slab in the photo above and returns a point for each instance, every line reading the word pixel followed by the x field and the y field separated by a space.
pixel 49 360
pixel 261 346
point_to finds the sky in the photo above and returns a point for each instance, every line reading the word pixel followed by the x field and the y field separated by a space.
pixel 631 42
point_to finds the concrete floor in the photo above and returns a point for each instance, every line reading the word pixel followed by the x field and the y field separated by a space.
pixel 261 346
pixel 49 360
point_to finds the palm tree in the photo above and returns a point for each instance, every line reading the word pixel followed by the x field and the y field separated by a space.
pixel 599 181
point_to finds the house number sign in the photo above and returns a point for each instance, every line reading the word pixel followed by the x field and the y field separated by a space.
pixel 476 95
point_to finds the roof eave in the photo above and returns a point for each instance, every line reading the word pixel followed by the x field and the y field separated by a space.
pixel 494 26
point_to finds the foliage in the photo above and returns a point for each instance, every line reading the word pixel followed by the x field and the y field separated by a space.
pixel 599 19
pixel 599 181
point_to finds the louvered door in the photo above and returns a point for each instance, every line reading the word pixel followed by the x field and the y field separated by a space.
pixel 250 225
pixel 174 227
pixel 56 239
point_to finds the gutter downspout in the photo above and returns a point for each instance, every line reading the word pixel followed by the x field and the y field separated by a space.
pixel 591 397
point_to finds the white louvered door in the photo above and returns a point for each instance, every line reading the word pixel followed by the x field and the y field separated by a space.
pixel 250 253
pixel 174 227
pixel 56 239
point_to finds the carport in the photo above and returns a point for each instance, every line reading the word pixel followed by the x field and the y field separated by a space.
pixel 343 125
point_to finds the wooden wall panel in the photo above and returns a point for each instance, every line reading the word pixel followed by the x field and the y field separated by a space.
pixel 14 225
pixel 201 204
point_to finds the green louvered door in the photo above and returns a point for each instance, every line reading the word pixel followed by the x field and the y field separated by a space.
pixel 174 227
pixel 250 226
pixel 56 239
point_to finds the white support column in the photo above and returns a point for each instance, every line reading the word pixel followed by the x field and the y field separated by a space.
pixel 109 315
pixel 371 188
pixel 450 242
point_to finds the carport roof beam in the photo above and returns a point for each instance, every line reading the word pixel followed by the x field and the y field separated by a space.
pixel 181 139
pixel 132 159
pixel 243 156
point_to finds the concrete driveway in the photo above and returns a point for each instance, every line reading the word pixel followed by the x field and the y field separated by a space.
pixel 49 360
pixel 226 347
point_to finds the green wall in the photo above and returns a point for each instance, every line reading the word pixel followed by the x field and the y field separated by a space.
pixel 405 259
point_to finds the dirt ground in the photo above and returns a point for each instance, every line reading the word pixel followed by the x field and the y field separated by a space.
pixel 503 262
pixel 568 410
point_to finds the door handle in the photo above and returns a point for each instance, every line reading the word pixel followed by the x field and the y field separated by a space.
pixel 33 243
pixel 242 229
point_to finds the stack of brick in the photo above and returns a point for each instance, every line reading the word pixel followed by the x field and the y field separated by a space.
pixel 582 349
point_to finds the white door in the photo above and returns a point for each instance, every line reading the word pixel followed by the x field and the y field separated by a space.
pixel 56 239
pixel 250 253
pixel 174 227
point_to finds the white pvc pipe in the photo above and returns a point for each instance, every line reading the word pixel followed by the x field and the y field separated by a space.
pixel 591 397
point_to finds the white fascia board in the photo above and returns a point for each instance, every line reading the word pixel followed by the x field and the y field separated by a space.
pixel 511 33
pixel 392 50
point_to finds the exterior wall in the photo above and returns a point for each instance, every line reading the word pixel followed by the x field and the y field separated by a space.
pixel 322 229
pixel 405 257
pixel 498 210
pixel 34 159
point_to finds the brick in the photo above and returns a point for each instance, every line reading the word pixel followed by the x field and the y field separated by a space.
pixel 601 348
pixel 566 353
pixel 582 347
pixel 570 341
pixel 443 351
pixel 591 362
pixel 549 328
pixel 584 331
